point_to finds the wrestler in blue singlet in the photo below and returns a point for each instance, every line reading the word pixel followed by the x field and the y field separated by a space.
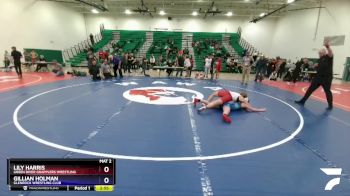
pixel 234 106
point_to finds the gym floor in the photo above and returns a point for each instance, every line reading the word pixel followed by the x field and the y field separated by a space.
pixel 164 147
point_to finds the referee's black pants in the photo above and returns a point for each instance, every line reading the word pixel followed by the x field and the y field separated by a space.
pixel 18 68
pixel 326 84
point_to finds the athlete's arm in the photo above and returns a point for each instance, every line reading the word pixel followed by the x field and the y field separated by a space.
pixel 329 49
pixel 250 108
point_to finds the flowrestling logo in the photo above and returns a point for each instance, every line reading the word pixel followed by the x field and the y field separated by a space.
pixel 162 95
pixel 332 172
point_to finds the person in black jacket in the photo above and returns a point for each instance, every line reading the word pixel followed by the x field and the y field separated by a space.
pixel 180 63
pixel 95 71
pixel 16 55
pixel 261 66
pixel 323 77
pixel 92 39
pixel 281 69
pixel 296 71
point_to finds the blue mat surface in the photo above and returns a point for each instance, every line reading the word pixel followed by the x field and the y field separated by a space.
pixel 96 117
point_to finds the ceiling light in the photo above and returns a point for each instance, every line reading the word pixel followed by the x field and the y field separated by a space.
pixel 290 1
pixel 229 14
pixel 194 13
pixel 162 13
pixel 127 11
pixel 262 14
pixel 94 11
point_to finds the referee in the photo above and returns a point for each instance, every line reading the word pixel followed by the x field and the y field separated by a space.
pixel 323 77
pixel 16 55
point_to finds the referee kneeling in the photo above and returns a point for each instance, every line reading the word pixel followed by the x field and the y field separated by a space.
pixel 323 77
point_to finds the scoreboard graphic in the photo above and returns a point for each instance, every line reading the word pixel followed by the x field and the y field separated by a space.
pixel 61 174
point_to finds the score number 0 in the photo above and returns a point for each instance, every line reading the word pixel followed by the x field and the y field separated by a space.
pixel 106 170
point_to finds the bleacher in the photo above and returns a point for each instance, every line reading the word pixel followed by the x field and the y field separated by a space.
pixel 234 41
pixel 161 41
pixel 131 41
pixel 79 58
pixel 205 49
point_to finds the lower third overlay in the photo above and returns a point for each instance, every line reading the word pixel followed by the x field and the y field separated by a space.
pixel 61 174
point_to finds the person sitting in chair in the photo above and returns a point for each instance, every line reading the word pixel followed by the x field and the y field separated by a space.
pixel 41 63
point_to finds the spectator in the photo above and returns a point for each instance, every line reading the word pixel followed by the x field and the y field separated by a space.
pixel 95 71
pixel 125 62
pixel 169 64
pixel 297 71
pixel 16 55
pixel 27 57
pixel 89 57
pixel 160 60
pixel 281 69
pixel 212 66
pixel 261 66
pixel 235 65
pixel 187 65
pixel 246 68
pixel 34 56
pixel 306 64
pixel 42 63
pixel 57 68
pixel 180 64
pixel 106 70
pixel 7 60
pixel 255 56
pixel 103 54
pixel 130 62
pixel 186 51
pixel 290 67
pixel 144 65
pixel 218 68
pixel 92 39
pixel 100 54
pixel 117 66
pixel 229 64
pixel 152 60
pixel 270 68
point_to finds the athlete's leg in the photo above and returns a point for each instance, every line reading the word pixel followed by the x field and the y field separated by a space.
pixel 226 109
pixel 206 102
pixel 225 114
pixel 214 104
pixel 215 94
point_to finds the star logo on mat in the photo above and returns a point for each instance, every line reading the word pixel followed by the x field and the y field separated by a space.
pixel 162 95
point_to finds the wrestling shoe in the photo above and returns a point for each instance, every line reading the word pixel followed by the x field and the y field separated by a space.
pixel 299 102
pixel 226 118
pixel 201 109
pixel 195 101
pixel 329 108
